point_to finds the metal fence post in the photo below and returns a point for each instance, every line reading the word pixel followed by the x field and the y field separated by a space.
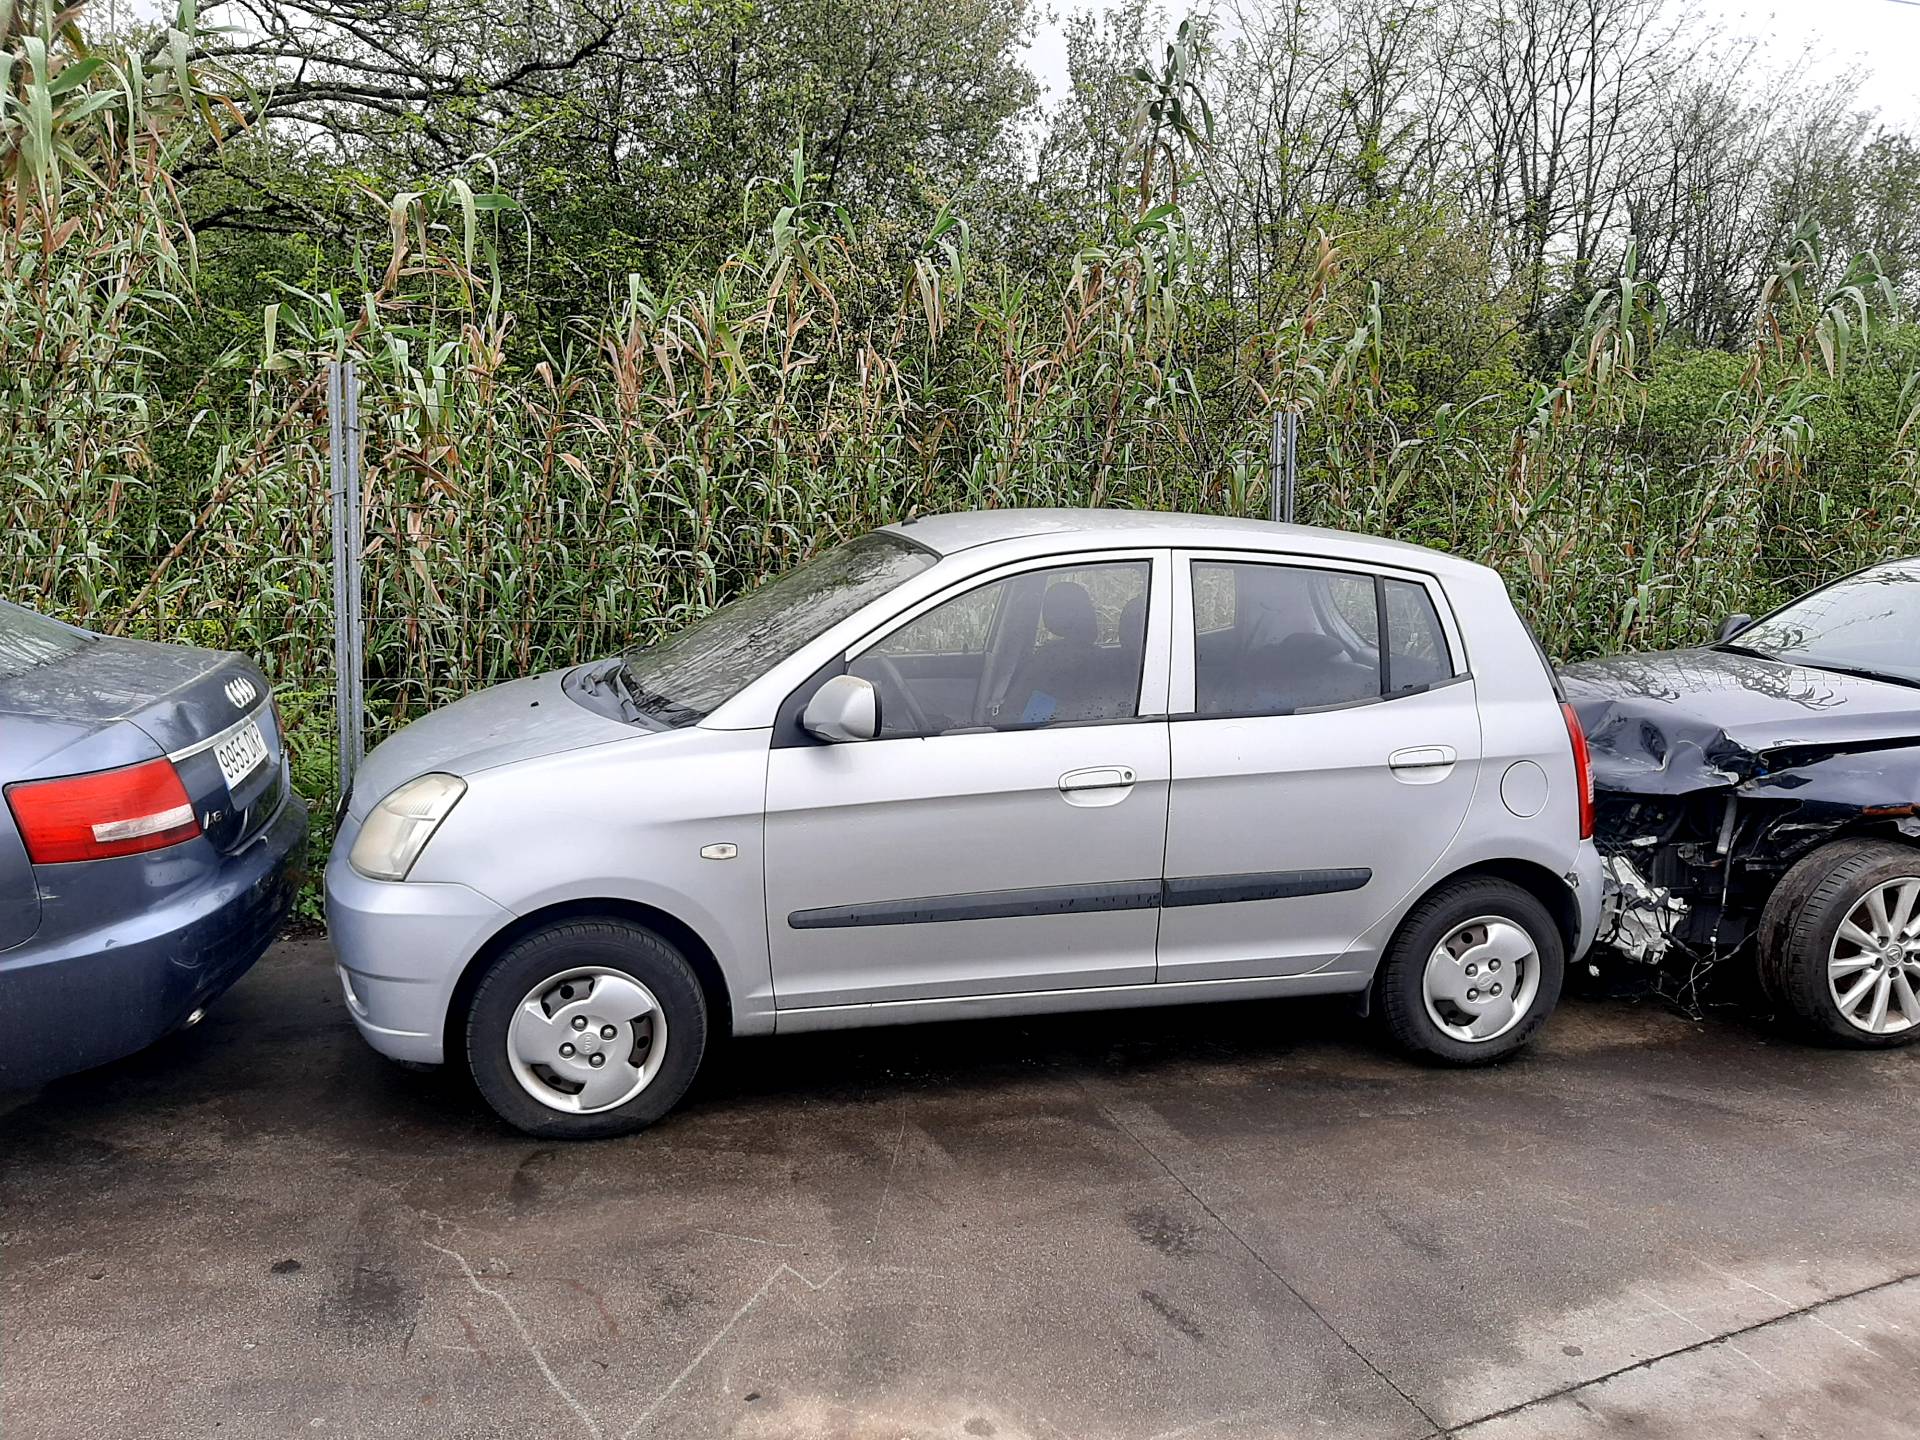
pixel 1286 442
pixel 343 473
pixel 356 548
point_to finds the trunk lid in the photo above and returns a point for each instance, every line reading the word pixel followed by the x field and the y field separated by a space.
pixel 193 704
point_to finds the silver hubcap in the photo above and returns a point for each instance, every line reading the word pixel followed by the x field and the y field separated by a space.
pixel 1873 966
pixel 1481 979
pixel 587 1040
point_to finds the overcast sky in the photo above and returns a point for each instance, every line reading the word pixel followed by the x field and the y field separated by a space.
pixel 1879 38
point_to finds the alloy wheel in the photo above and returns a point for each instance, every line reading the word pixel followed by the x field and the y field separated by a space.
pixel 1873 965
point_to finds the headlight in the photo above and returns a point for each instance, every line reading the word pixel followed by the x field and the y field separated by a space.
pixel 398 828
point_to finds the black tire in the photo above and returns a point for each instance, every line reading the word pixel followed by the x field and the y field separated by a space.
pixel 1399 986
pixel 1798 927
pixel 618 946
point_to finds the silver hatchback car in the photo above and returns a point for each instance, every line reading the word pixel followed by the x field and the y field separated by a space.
pixel 980 764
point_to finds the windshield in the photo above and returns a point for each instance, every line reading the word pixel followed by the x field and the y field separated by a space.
pixel 681 680
pixel 1868 622
pixel 28 640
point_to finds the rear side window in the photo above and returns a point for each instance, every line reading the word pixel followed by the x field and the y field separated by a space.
pixel 1281 639
pixel 1273 639
pixel 28 641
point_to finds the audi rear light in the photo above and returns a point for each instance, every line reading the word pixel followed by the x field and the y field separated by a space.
pixel 110 812
pixel 1582 768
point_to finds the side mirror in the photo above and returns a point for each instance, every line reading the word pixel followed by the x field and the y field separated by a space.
pixel 1732 626
pixel 845 708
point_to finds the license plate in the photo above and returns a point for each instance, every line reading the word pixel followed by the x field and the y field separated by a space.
pixel 241 753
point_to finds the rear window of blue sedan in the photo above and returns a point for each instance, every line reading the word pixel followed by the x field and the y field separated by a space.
pixel 28 641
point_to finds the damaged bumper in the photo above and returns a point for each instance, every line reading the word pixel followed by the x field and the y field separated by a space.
pixel 1716 773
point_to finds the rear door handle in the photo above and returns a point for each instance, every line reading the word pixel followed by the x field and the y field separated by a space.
pixel 1423 757
pixel 1097 777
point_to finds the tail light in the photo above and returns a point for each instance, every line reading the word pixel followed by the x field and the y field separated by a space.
pixel 110 812
pixel 1582 769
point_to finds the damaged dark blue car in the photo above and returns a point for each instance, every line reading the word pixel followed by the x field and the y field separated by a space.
pixel 149 840
pixel 1759 802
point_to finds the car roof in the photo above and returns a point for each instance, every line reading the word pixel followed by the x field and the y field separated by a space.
pixel 964 530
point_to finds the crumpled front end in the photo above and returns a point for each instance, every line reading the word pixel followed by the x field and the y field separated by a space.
pixel 1698 821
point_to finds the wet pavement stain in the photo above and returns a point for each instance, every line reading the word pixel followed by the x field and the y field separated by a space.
pixel 1243 1220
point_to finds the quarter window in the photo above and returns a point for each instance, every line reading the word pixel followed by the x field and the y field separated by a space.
pixel 1416 645
pixel 1278 639
pixel 1045 647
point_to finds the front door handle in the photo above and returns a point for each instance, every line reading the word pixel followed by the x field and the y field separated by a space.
pixel 1423 757
pixel 1096 787
pixel 1097 777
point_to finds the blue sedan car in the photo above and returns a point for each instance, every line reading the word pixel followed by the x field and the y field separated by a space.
pixel 148 840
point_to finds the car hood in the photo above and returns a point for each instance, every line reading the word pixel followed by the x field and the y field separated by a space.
pixel 496 726
pixel 1672 722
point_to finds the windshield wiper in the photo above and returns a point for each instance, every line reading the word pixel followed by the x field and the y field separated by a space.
pixel 1859 673
pixel 610 678
pixel 1728 648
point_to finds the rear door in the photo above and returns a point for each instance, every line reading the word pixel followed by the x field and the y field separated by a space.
pixel 1325 743
pixel 1005 832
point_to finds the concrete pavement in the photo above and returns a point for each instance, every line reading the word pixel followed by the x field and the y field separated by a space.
pixel 1231 1221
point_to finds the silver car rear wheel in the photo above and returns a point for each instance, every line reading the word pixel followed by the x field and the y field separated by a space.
pixel 1481 980
pixel 1873 965
pixel 586 1040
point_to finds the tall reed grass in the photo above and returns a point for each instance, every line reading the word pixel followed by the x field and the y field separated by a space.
pixel 697 437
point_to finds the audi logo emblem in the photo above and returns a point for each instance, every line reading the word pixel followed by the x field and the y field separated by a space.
pixel 240 691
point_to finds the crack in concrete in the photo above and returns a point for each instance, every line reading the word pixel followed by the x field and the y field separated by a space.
pixel 1810 1309
pixel 892 1165
pixel 1259 1259
pixel 1781 1300
pixel 526 1337
pixel 752 1303
pixel 1693 1324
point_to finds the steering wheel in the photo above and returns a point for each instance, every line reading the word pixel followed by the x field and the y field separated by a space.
pixel 890 672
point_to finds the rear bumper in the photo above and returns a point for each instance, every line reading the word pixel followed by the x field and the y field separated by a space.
pixel 100 993
pixel 401 948
pixel 1588 876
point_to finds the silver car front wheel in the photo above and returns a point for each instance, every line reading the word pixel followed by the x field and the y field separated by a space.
pixel 587 1040
pixel 568 1028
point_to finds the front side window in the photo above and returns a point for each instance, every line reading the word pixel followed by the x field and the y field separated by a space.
pixel 1868 623
pixel 1045 647
pixel 683 679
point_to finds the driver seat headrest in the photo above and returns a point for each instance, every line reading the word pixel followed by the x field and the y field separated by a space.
pixel 1067 611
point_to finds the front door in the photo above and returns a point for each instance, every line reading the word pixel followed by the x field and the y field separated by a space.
pixel 1325 743
pixel 1005 831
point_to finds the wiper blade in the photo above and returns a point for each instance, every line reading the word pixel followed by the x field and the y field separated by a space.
pixel 1859 674
pixel 1814 662
pixel 610 678
pixel 621 678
